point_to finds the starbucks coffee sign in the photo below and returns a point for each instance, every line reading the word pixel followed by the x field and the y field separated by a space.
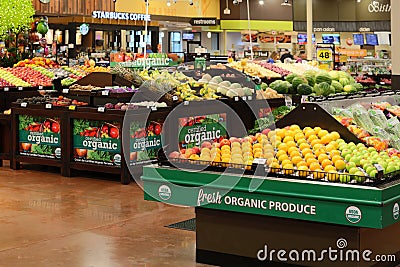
pixel 379 7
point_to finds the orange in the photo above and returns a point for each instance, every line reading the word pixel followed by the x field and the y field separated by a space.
pixel 291 149
pixel 308 133
pixel 329 168
pixel 322 133
pixel 257 154
pixel 336 158
pixel 329 147
pixel 306 151
pixel 319 151
pixel 317 129
pixel 258 145
pixel 303 146
pixel 307 129
pixel 291 143
pixel 286 161
pixel 283 157
pixel 302 141
pixel 311 138
pixel 290 133
pixel 325 163
pixel 335 144
pixel 322 157
pixel 311 161
pixel 283 147
pixel 299 136
pixel 225 147
pixel 340 164
pixel 294 127
pixel 314 142
pixel 280 152
pixel 334 153
pixel 296 160
pixel 335 136
pixel 287 139
pixel 295 154
pixel 303 171
pixel 257 150
pixel 309 156
pixel 274 167
pixel 326 139
pixel 302 163
pixel 314 166
pixel 288 169
pixel 316 146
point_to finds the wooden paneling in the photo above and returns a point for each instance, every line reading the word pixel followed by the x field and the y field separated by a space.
pixel 72 7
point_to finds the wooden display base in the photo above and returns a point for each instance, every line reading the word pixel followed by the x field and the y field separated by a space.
pixel 5 138
pixel 233 239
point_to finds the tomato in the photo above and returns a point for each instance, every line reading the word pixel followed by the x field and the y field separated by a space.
pixel 26 146
pixel 157 129
pixel 114 132
pixel 81 152
pixel 55 127
pixel 225 142
pixel 105 129
pixel 47 124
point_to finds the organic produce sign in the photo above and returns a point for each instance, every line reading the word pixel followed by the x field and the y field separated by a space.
pixel 97 142
pixel 39 137
pixel 194 131
pixel 144 142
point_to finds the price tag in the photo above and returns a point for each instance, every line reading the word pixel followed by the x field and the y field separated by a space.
pixel 65 91
pixel 154 108
pixel 244 98
pixel 20 88
pixel 101 109
pixel 186 103
pixel 6 89
pixel 303 99
pixel 40 87
pixel 378 167
pixel 24 104
pixel 236 98
pixel 105 92
pixel 175 98
pixel 382 83
pixel 48 106
pixel 288 101
pixel 72 107
pixel 324 54
pixel 249 98
pixel 259 161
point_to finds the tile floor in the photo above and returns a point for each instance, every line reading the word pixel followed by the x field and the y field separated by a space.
pixel 47 220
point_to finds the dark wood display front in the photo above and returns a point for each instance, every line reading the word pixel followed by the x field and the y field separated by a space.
pixel 5 138
pixel 233 239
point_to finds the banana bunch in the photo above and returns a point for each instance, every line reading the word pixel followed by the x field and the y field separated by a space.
pixel 185 92
pixel 145 75
pixel 208 93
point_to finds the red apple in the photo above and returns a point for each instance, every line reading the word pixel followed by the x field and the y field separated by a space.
pixel 266 131
pixel 195 150
pixel 174 155
pixel 233 139
pixel 183 150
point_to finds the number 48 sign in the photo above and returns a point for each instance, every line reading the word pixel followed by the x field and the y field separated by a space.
pixel 324 54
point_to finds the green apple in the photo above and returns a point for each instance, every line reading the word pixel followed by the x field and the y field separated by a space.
pixel 373 173
pixel 390 169
pixel 350 165
pixel 344 178
pixel 353 170
pixel 369 169
pixel 372 149
pixel 360 177
pixel 348 157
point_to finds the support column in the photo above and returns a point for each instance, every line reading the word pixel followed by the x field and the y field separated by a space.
pixel 395 28
pixel 309 47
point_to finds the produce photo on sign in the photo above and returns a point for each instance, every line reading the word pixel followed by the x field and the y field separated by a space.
pixel 246 36
pixel 97 142
pixel 265 37
pixel 39 137
pixel 145 141
pixel 196 131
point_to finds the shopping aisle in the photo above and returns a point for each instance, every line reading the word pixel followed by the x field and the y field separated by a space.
pixel 49 220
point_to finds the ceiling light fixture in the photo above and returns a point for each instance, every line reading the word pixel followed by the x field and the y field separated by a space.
pixel 227 11
pixel 261 2
pixel 168 2
pixel 286 3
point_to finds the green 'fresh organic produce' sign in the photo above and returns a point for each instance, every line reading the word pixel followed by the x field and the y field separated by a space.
pixel 153 60
pixel 350 205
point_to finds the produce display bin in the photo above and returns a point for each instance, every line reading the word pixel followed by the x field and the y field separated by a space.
pixel 11 94
pixel 5 138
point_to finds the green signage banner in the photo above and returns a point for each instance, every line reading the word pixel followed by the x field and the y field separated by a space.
pixel 39 137
pixel 97 142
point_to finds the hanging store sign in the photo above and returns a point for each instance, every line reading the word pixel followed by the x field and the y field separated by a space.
pixel 120 16
pixel 203 21
pixel 327 29
pixel 378 7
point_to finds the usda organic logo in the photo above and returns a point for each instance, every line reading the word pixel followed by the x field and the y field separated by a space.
pixel 396 211
pixel 164 192
pixel 353 214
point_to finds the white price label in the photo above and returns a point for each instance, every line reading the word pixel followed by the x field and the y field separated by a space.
pixel 101 109
pixel 154 108
pixel 20 88
pixel 65 91
pixel 105 92
pixel 304 99
pixel 48 106
pixel 24 104
pixel 288 101
pixel 236 98
pixel 259 161
pixel 249 98
pixel 186 103
pixel 6 89
pixel 40 87
pixel 175 98
pixel 244 98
